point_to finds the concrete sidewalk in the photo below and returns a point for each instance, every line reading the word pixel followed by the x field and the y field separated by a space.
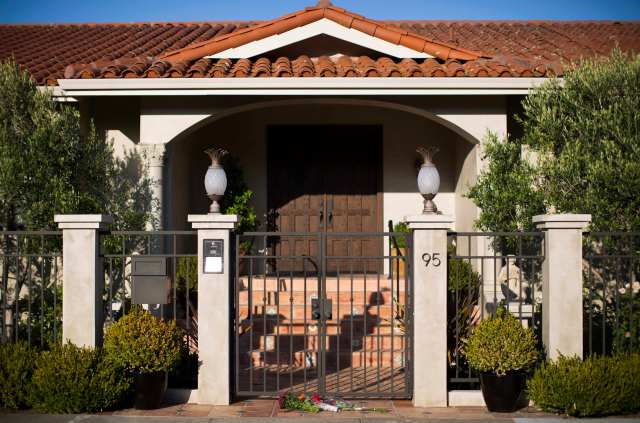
pixel 263 410
pixel 83 418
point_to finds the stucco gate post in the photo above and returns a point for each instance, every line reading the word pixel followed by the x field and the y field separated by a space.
pixel 214 311
pixel 82 277
pixel 430 308
pixel 562 283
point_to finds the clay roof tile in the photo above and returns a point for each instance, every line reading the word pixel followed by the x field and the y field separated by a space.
pixel 261 67
pixel 282 67
pixel 178 70
pixel 157 69
pixel 199 69
pixel 325 67
pixel 367 67
pixel 241 69
pixel 410 68
pixel 346 67
pixel 303 67
pixel 221 68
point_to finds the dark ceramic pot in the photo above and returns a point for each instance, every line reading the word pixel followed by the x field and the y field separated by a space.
pixel 501 393
pixel 150 390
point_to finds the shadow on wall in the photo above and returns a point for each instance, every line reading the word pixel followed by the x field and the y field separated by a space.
pixel 245 136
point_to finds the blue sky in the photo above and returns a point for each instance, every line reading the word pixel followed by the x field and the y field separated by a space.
pixel 49 11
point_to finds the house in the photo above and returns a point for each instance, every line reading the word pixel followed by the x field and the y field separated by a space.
pixel 324 110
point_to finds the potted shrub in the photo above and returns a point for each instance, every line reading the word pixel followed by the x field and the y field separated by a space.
pixel 502 351
pixel 148 348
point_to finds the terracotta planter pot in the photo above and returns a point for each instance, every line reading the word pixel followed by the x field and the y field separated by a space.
pixel 398 264
pixel 501 393
pixel 150 390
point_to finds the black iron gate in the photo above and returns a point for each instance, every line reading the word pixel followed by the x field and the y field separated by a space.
pixel 335 321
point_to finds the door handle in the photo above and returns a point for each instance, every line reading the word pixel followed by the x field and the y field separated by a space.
pixel 321 210
pixel 330 210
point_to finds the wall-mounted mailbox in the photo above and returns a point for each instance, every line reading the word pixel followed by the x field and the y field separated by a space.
pixel 150 280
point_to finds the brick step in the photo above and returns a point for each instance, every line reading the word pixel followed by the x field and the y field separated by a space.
pixel 342 312
pixel 344 360
pixel 259 297
pixel 346 284
pixel 297 327
pixel 311 342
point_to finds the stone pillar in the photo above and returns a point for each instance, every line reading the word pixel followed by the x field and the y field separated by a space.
pixel 214 311
pixel 82 277
pixel 153 155
pixel 562 283
pixel 430 308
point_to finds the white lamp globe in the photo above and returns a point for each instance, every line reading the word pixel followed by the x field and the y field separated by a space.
pixel 428 179
pixel 215 181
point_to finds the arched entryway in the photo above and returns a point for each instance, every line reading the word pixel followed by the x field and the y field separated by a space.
pixel 243 131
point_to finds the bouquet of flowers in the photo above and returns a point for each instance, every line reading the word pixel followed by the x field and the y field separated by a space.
pixel 315 403
pixel 291 402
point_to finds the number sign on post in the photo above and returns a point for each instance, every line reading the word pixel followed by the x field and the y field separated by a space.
pixel 433 259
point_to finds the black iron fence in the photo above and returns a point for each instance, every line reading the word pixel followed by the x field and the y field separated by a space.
pixel 31 287
pixel 611 269
pixel 322 312
pixel 177 251
pixel 488 270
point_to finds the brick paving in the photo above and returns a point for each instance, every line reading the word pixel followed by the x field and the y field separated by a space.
pixel 398 410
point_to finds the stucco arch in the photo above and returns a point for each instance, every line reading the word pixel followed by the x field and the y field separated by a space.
pixel 242 131
pixel 189 123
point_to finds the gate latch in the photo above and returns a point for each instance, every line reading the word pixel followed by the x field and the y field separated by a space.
pixel 320 308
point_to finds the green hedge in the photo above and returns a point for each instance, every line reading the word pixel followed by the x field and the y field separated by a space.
pixel 69 379
pixel 17 363
pixel 596 386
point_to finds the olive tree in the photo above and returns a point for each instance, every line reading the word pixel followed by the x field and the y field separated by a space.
pixel 49 165
pixel 579 152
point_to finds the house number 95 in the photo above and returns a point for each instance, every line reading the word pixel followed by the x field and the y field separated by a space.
pixel 431 259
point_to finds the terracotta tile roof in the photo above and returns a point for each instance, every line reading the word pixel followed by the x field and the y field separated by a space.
pixel 46 50
pixel 516 48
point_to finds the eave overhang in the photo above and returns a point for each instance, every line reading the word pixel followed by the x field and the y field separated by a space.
pixel 298 86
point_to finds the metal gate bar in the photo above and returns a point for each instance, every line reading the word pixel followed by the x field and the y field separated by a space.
pixel 290 321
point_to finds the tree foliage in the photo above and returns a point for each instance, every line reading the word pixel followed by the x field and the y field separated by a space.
pixel 49 164
pixel 581 145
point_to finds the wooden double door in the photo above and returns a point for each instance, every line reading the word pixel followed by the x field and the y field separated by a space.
pixel 326 179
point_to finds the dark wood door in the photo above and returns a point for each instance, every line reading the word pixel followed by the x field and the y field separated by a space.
pixel 326 179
